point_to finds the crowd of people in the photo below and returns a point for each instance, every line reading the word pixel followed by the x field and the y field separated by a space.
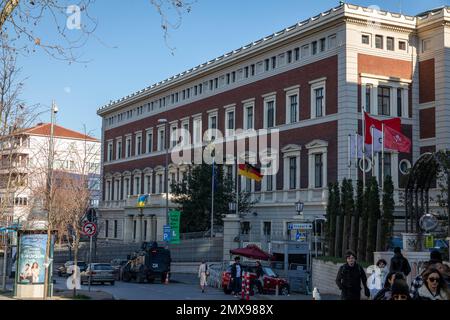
pixel 385 283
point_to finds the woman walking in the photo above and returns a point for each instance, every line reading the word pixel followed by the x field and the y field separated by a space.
pixel 203 274
pixel 434 286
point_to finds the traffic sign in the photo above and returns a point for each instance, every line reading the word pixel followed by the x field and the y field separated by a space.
pixel 89 229
pixel 300 226
pixel 166 234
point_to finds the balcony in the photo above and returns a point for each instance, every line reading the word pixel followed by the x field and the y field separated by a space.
pixel 155 200
pixel 318 196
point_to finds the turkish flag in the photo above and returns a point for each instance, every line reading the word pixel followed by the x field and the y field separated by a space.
pixel 394 123
pixel 394 140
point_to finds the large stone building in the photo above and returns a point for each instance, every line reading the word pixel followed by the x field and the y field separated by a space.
pixel 310 81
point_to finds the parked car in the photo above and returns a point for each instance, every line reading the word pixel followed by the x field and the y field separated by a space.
pixel 270 279
pixel 118 265
pixel 62 270
pixel 99 273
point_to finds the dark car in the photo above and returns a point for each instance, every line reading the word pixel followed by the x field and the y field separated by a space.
pixel 270 278
pixel 99 273
pixel 117 265
pixel 62 270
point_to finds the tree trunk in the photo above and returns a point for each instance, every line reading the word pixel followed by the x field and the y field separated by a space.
pixel 371 238
pixel 75 262
pixel 337 237
pixel 352 244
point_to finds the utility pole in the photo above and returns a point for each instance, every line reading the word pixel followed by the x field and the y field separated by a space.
pixel 51 150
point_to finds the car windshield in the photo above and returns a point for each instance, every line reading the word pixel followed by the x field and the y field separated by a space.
pixel 102 267
pixel 269 272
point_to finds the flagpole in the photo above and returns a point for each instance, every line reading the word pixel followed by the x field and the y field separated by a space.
pixel 356 155
pixel 363 147
pixel 382 157
pixel 212 200
pixel 349 157
pixel 373 153
pixel 237 185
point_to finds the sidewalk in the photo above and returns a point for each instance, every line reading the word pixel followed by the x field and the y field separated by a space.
pixel 66 295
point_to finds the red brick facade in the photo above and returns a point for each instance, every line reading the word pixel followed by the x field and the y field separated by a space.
pixel 426 81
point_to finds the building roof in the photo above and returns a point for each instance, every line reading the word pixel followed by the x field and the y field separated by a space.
pixel 343 8
pixel 43 129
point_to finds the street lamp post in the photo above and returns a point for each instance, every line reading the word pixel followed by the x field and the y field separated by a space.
pixel 166 170
pixel 51 150
pixel 299 207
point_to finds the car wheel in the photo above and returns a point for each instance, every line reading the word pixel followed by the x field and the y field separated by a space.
pixel 284 290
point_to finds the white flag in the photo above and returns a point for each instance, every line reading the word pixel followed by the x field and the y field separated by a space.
pixel 377 140
pixel 353 146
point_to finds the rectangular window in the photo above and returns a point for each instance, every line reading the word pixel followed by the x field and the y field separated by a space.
pixel 319 101
pixel 267 228
pixel 274 62
pixel 186 137
pixel 248 185
pixel 115 229
pixel 246 72
pixel 318 168
pixel 145 229
pixel 249 117
pixel 426 45
pixel 119 150
pixel 292 173
pixel 390 43
pixel 245 227
pixel 110 151
pixel 228 78
pixel 174 135
pixel 270 111
pixel 198 130
pixel 384 101
pixel 293 108
pixel 106 228
pixel 297 54
pixel 200 88
pixel 211 85
pixel 399 101
pixel 233 76
pixel 332 41
pixel 365 39
pixel 128 147
pixel 289 56
pixel 134 229
pixel 402 45
pixel 216 83
pixel 314 47
pixel 379 42
pixel 149 142
pixel 161 139
pixel 322 44
pixel 368 97
pixel 138 145
pixel 230 121
pixel 266 64
pixel 137 185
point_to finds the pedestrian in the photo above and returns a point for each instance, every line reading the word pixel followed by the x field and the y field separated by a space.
pixel 434 286
pixel 259 277
pixel 435 259
pixel 236 276
pixel 377 278
pixel 203 274
pixel 400 290
pixel 386 292
pixel 399 263
pixel 350 277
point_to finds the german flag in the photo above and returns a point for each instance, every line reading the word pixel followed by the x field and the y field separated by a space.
pixel 249 171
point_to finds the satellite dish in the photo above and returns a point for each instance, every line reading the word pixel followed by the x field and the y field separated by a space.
pixel 428 222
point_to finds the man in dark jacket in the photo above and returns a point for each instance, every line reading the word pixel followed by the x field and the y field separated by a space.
pixel 349 279
pixel 236 276
pixel 399 263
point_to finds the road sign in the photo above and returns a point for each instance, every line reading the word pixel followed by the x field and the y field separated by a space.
pixel 166 234
pixel 89 229
pixel 174 222
pixel 300 226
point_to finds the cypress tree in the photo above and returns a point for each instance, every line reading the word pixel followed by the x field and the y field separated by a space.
pixel 373 214
pixel 359 243
pixel 330 226
pixel 337 213
pixel 388 212
pixel 347 205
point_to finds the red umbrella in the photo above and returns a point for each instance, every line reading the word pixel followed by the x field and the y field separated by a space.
pixel 252 251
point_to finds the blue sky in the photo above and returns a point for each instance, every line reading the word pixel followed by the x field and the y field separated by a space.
pixel 131 53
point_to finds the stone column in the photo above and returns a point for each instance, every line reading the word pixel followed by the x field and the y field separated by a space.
pixel 128 228
pixel 231 229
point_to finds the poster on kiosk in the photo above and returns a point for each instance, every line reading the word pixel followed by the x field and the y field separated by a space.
pixel 30 267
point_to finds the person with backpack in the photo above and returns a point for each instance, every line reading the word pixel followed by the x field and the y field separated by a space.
pixel 350 277
pixel 399 263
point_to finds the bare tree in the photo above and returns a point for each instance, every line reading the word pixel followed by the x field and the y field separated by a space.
pixel 20 21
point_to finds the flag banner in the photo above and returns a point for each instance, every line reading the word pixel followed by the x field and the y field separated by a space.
pixel 360 147
pixel 394 123
pixel 249 171
pixel 394 140
pixel 377 140
pixel 142 200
